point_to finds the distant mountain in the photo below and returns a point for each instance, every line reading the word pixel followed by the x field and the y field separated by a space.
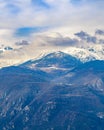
pixel 84 53
pixel 32 99
pixel 88 53
pixel 55 60
pixel 55 64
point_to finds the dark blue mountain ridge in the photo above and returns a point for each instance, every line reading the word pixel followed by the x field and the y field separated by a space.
pixel 96 65
pixel 17 72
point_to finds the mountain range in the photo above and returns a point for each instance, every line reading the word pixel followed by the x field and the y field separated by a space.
pixel 12 56
pixel 55 92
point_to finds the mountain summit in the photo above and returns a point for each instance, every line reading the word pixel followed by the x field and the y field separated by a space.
pixel 53 60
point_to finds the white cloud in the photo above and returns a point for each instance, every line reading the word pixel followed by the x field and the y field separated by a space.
pixel 62 16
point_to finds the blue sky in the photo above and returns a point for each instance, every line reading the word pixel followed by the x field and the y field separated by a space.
pixel 27 31
pixel 40 3
pixel 27 18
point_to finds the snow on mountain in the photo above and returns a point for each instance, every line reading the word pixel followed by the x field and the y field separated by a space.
pixel 53 62
pixel 20 55
pixel 85 54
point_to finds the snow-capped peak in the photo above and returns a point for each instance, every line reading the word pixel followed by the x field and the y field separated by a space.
pixel 86 54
